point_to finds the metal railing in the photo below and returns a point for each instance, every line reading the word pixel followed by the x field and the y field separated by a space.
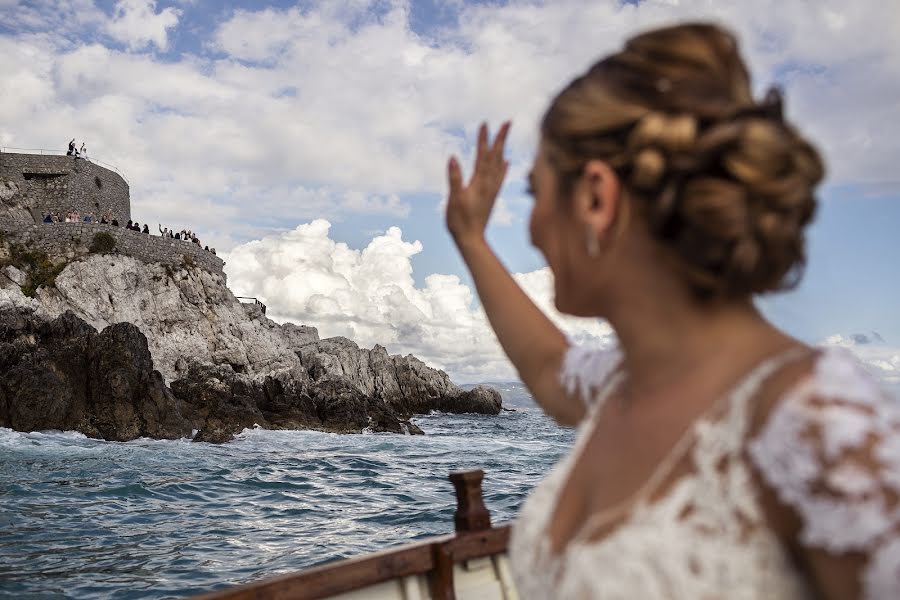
pixel 45 152
pixel 254 300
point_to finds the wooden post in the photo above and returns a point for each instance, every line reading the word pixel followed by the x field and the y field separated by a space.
pixel 471 513
pixel 441 577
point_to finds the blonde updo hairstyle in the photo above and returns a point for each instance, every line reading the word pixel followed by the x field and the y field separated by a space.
pixel 721 180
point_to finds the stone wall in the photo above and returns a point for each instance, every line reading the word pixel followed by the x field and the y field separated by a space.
pixel 73 239
pixel 43 183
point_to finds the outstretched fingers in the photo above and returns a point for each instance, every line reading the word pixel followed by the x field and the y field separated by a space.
pixel 500 141
pixel 454 175
pixel 482 147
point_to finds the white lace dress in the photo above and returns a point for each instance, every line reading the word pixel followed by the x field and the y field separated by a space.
pixel 830 449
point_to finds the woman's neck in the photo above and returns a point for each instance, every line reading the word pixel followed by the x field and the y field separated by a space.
pixel 661 341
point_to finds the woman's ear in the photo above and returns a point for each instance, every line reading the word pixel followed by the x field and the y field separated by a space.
pixel 598 198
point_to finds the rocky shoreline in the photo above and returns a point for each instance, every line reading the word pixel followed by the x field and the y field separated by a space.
pixel 63 374
pixel 118 350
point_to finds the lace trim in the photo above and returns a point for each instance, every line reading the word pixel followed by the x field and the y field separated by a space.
pixel 705 535
pixel 587 373
pixel 737 399
pixel 831 451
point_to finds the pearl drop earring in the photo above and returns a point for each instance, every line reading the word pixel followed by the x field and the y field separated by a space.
pixel 593 244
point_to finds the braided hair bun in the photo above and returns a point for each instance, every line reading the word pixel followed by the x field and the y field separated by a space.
pixel 721 179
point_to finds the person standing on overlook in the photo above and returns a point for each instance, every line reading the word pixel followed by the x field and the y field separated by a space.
pixel 716 456
pixel 72 151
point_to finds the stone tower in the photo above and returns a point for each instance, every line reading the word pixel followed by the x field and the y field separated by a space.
pixel 31 184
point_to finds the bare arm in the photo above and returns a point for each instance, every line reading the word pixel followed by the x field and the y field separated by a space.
pixel 532 342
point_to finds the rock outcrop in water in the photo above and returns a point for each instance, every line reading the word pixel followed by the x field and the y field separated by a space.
pixel 62 374
pixel 223 365
pixel 405 383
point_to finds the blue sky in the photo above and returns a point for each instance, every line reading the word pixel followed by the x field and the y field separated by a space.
pixel 308 141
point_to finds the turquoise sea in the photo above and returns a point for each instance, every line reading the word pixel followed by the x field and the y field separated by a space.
pixel 82 518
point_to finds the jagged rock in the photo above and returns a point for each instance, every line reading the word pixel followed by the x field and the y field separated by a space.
pixel 62 374
pixel 183 313
pixel 127 397
pixel 297 336
pixel 230 366
pixel 404 383
pixel 224 403
pixel 14 275
pixel 421 388
pixel 8 189
pixel 480 399
pixel 219 402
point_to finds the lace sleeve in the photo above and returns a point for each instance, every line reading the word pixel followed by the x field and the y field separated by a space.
pixel 586 372
pixel 830 450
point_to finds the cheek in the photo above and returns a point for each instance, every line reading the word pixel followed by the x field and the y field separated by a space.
pixel 542 226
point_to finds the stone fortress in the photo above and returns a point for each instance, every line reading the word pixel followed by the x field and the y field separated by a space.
pixel 34 184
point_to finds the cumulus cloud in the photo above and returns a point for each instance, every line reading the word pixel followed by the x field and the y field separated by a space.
pixel 346 96
pixel 370 296
pixel 882 358
pixel 137 24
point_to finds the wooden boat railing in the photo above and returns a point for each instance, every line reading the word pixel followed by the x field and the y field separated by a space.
pixel 434 558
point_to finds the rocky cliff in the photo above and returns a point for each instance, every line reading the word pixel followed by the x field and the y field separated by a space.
pixel 225 364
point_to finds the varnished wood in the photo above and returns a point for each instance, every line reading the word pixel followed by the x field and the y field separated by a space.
pixel 471 513
pixel 475 545
pixel 441 577
pixel 338 577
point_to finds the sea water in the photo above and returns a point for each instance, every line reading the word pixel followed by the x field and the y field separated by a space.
pixel 83 518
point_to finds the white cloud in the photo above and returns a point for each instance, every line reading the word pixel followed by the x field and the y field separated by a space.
pixel 502 215
pixel 346 97
pixel 369 295
pixel 137 24
pixel 61 18
pixel 882 359
pixel 359 202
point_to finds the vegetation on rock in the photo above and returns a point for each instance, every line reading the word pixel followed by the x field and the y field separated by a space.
pixel 103 243
pixel 39 269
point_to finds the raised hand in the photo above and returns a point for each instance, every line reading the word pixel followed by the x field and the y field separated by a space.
pixel 469 206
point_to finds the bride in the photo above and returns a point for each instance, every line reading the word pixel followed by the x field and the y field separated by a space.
pixel 716 456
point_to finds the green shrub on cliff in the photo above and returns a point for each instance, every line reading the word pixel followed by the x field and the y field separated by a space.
pixel 37 266
pixel 103 243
